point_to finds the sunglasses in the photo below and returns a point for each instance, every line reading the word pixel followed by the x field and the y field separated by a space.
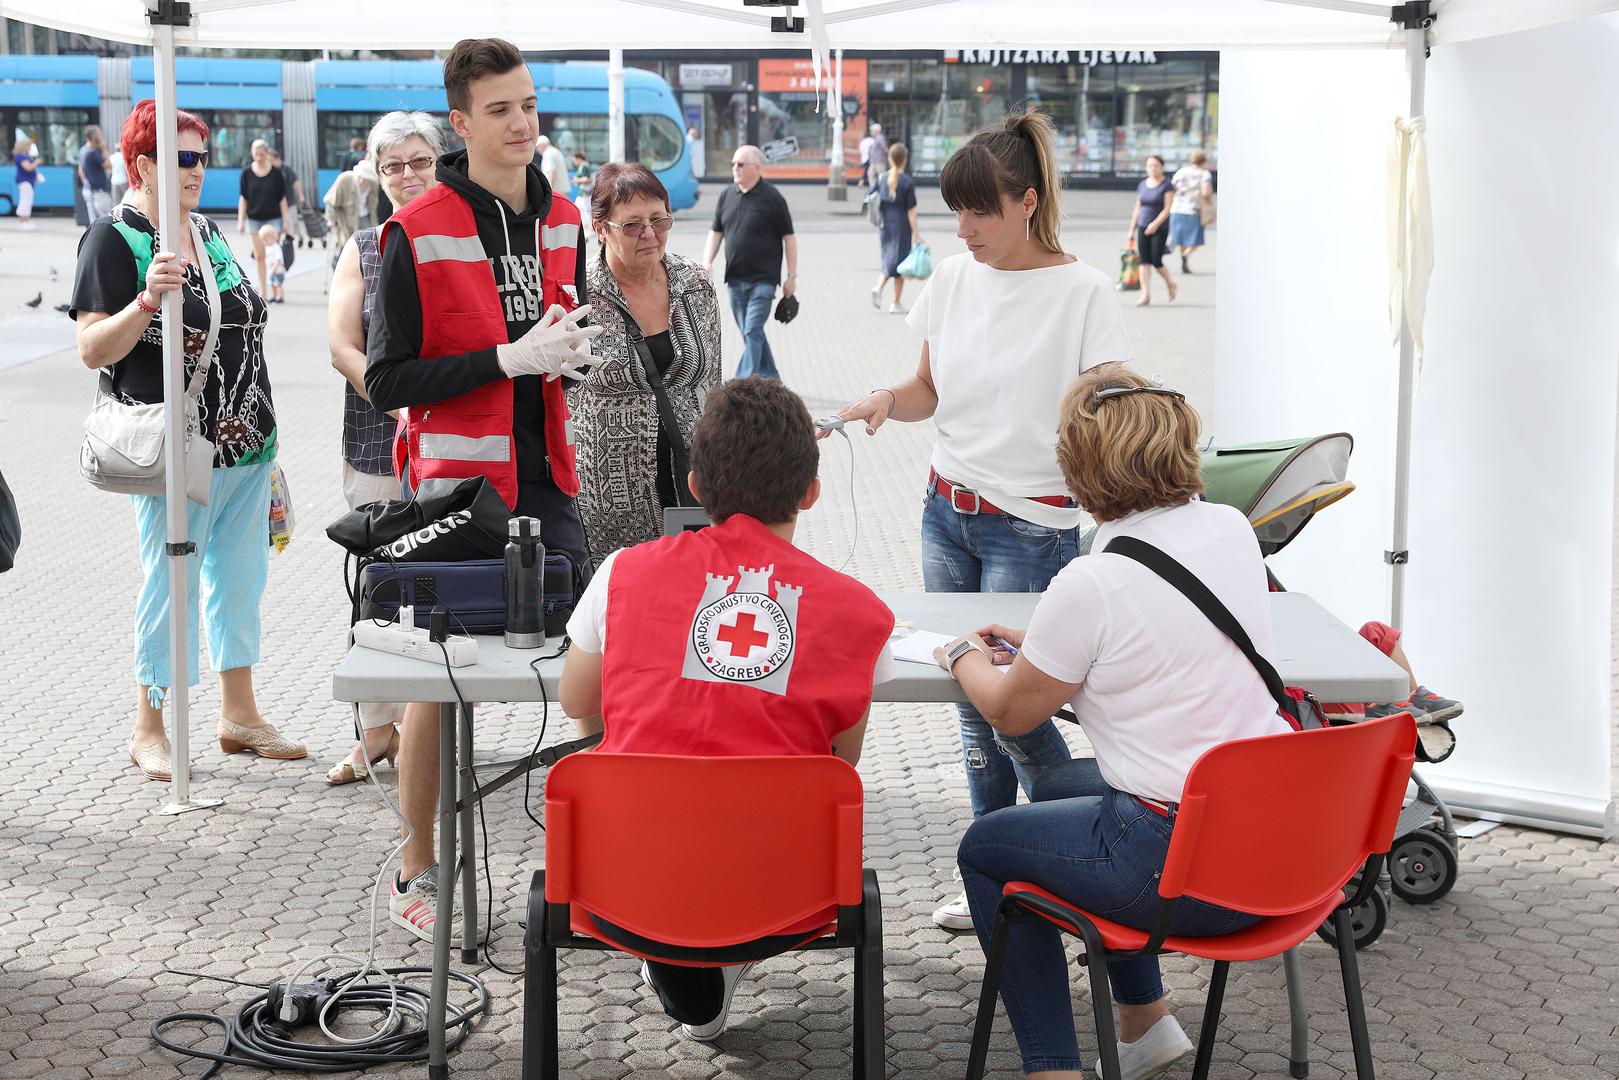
pixel 417 165
pixel 1120 391
pixel 190 159
pixel 637 229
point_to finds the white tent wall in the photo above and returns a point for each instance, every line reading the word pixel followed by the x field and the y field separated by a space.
pixel 1510 588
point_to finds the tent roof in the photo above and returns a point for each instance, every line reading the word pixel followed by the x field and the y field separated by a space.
pixel 854 24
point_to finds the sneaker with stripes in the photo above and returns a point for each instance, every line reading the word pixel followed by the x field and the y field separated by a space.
pixel 414 905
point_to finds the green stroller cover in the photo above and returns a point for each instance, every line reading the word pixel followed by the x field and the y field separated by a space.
pixel 1279 485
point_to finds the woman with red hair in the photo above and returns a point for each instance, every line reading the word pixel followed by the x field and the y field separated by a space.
pixel 127 264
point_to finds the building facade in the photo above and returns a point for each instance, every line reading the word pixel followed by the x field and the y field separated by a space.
pixel 1111 108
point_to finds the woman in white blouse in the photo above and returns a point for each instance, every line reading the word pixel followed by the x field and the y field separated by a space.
pixel 1005 328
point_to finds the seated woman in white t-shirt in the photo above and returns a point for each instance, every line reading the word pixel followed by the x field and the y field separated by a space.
pixel 1154 685
pixel 1006 327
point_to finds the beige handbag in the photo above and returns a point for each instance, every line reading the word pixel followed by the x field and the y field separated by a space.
pixel 1207 214
pixel 123 443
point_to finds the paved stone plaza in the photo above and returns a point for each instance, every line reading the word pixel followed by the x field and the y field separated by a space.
pixel 1511 976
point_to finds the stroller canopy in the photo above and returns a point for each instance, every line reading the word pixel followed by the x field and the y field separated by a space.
pixel 1280 485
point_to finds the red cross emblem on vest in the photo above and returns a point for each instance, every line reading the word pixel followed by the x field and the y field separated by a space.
pixel 741 633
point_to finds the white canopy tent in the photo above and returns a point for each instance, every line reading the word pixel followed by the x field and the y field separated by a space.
pixel 1238 28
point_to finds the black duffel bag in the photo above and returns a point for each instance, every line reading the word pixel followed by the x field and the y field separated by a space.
pixel 447 521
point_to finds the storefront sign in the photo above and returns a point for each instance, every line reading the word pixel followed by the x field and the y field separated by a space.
pixel 777 149
pixel 1084 57
pixel 705 74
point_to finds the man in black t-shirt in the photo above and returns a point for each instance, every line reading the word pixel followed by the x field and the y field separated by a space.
pixel 753 220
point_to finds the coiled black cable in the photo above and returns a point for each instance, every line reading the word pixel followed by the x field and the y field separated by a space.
pixel 256 1039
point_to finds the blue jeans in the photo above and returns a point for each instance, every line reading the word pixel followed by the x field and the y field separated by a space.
pixel 229 569
pixel 995 553
pixel 750 305
pixel 1102 851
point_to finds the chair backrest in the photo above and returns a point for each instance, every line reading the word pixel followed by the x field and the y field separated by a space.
pixel 1276 824
pixel 703 852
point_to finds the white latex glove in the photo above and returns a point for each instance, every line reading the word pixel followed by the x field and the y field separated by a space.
pixel 555 346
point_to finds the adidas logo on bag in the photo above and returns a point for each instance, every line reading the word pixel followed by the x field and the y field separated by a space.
pixel 407 544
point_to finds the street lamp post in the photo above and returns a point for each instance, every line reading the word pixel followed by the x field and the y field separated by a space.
pixel 836 189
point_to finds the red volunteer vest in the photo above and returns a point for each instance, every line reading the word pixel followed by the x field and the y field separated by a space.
pixel 730 641
pixel 471 435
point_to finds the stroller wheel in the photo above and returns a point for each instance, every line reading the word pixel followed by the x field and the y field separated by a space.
pixel 1368 920
pixel 1422 866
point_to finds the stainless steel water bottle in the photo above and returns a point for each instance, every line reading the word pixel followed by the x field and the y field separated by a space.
pixel 525 596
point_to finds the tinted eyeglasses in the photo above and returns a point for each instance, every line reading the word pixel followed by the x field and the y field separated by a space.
pixel 190 159
pixel 418 165
pixel 636 229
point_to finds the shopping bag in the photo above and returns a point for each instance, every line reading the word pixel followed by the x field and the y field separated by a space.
pixel 1129 269
pixel 282 520
pixel 918 264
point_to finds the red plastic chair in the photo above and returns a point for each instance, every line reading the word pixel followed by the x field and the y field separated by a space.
pixel 1274 826
pixel 702 860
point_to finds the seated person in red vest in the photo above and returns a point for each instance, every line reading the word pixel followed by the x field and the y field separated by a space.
pixel 474 322
pixel 729 640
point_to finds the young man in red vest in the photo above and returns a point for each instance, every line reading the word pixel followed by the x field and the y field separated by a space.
pixel 475 319
pixel 729 640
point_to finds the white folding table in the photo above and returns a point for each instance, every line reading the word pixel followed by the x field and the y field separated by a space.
pixel 1314 650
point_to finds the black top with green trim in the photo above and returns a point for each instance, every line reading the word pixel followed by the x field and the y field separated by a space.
pixel 237 413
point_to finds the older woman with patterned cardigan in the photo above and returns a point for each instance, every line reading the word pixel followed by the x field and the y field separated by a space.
pixel 661 333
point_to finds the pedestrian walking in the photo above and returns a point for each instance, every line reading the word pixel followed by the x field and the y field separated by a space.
pixel 1194 191
pixel 294 225
pixel 120 173
pixel 28 175
pixel 1006 328
pixel 658 357
pixel 583 180
pixel 873 155
pixel 261 200
pixel 405 148
pixel 555 167
pixel 898 232
pixel 127 263
pixel 93 175
pixel 356 153
pixel 351 202
pixel 752 219
pixel 1149 227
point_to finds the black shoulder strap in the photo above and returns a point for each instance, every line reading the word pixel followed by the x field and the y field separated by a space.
pixel 666 412
pixel 1198 593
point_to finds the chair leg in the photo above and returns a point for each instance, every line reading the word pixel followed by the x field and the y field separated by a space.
pixel 1211 1020
pixel 1359 1038
pixel 1298 1057
pixel 1107 1040
pixel 870 1035
pixel 986 996
pixel 533 982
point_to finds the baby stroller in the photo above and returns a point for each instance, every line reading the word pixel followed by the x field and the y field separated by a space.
pixel 1280 486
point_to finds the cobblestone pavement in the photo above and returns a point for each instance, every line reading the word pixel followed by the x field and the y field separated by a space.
pixel 101 899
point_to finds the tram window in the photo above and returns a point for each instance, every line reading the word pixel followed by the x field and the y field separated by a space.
pixel 57 132
pixel 337 128
pixel 231 133
pixel 655 141
pixel 661 141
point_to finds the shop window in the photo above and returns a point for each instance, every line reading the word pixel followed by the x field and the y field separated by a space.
pixel 974 97
pixel 789 105
pixel 57 132
pixel 1162 110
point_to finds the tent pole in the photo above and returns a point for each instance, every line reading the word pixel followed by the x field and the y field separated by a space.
pixel 615 104
pixel 164 17
pixel 837 190
pixel 1416 65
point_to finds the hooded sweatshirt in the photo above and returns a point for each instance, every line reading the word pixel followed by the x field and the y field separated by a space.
pixel 396 376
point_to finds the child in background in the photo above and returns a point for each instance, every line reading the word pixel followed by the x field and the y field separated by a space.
pixel 273 265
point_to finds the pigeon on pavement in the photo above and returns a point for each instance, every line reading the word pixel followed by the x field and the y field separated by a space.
pixel 39 298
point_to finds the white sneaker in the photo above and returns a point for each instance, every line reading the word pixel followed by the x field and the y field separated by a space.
pixel 415 907
pixel 895 309
pixel 1156 1052
pixel 711 1030
pixel 955 915
pixel 876 296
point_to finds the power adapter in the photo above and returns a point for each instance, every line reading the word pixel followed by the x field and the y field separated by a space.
pixel 299 1003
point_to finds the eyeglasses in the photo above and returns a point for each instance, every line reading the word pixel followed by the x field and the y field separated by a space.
pixel 637 229
pixel 1120 391
pixel 190 159
pixel 742 164
pixel 417 165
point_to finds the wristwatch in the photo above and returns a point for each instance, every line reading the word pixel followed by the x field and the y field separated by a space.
pixel 956 652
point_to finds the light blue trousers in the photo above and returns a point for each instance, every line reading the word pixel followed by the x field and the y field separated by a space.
pixel 232 560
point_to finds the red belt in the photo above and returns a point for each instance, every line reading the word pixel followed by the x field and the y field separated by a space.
pixel 1161 809
pixel 965 500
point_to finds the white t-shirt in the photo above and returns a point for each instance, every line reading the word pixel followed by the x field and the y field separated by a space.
pixel 1004 346
pixel 1160 684
pixel 555 168
pixel 1188 181
pixel 587 626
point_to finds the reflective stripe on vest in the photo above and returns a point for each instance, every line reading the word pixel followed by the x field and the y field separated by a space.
pixel 465 448
pixel 459 248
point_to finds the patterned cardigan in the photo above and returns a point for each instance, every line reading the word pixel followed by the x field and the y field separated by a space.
pixel 615 414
